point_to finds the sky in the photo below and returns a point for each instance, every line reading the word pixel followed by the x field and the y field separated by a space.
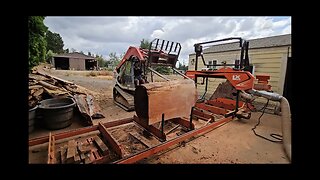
pixel 106 34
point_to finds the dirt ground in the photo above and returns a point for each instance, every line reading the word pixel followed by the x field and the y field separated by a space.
pixel 233 143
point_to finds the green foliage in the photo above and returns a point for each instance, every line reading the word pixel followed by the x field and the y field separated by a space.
pixel 101 61
pixel 182 67
pixel 37 42
pixel 114 60
pixel 66 50
pixel 144 44
pixel 49 55
pixel 163 70
pixel 54 42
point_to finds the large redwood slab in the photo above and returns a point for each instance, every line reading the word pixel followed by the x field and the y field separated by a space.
pixel 173 98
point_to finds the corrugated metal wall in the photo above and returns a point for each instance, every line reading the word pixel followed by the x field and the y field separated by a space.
pixel 270 61
pixel 77 64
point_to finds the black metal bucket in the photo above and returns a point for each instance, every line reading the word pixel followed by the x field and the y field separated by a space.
pixel 32 117
pixel 57 112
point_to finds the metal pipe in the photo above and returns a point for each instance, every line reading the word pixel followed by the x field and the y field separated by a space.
pixel 180 73
pixel 247 96
pixel 286 126
pixel 158 73
pixel 285 116
pixel 265 94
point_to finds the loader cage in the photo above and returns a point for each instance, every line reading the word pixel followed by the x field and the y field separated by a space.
pixel 163 52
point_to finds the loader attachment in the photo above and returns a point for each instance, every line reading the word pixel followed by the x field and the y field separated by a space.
pixel 163 53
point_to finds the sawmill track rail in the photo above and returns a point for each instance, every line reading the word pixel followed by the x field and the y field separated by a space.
pixel 122 141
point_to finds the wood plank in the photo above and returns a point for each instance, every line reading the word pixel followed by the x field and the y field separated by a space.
pixel 77 158
pixel 83 148
pixel 63 154
pixel 51 148
pixel 38 92
pixel 54 77
pixel 110 140
pixel 35 87
pixel 71 151
pixel 172 98
pixel 101 145
pixel 83 157
pixel 140 138
pixel 47 85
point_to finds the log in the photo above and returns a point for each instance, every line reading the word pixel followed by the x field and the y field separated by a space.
pixel 172 98
pixel 83 107
pixel 38 92
pixel 37 77
pixel 54 77
pixel 94 108
pixel 224 90
pixel 35 87
pixel 47 85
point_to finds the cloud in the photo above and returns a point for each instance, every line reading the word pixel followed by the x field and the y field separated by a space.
pixel 103 35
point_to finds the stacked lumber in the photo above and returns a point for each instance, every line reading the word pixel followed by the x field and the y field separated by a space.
pixel 44 86
pixel 84 151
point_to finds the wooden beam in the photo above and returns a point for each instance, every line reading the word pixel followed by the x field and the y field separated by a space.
pixel 110 140
pixel 151 129
pixel 51 150
pixel 101 145
pixel 140 138
pixel 74 132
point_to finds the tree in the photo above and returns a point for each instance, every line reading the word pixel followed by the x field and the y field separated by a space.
pixel 144 44
pixel 89 53
pixel 114 60
pixel 101 61
pixel 49 56
pixel 54 42
pixel 182 67
pixel 66 50
pixel 37 41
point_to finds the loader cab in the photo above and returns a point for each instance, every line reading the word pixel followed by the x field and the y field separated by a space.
pixel 125 77
pixel 131 74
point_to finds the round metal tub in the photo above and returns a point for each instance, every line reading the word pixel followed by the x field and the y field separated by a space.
pixel 32 117
pixel 57 112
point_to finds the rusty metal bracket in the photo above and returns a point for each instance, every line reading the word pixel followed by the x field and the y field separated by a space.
pixel 184 122
pixel 154 131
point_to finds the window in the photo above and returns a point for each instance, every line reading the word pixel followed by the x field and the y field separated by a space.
pixel 192 62
pixel 211 64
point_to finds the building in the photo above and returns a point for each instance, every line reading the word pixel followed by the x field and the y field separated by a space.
pixel 270 55
pixel 74 61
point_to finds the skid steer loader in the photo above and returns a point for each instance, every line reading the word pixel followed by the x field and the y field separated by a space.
pixel 137 63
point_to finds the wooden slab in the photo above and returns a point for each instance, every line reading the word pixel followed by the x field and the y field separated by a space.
pixel 101 145
pixel 140 138
pixel 172 98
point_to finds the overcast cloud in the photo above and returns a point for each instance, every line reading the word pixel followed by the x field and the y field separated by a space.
pixel 103 35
